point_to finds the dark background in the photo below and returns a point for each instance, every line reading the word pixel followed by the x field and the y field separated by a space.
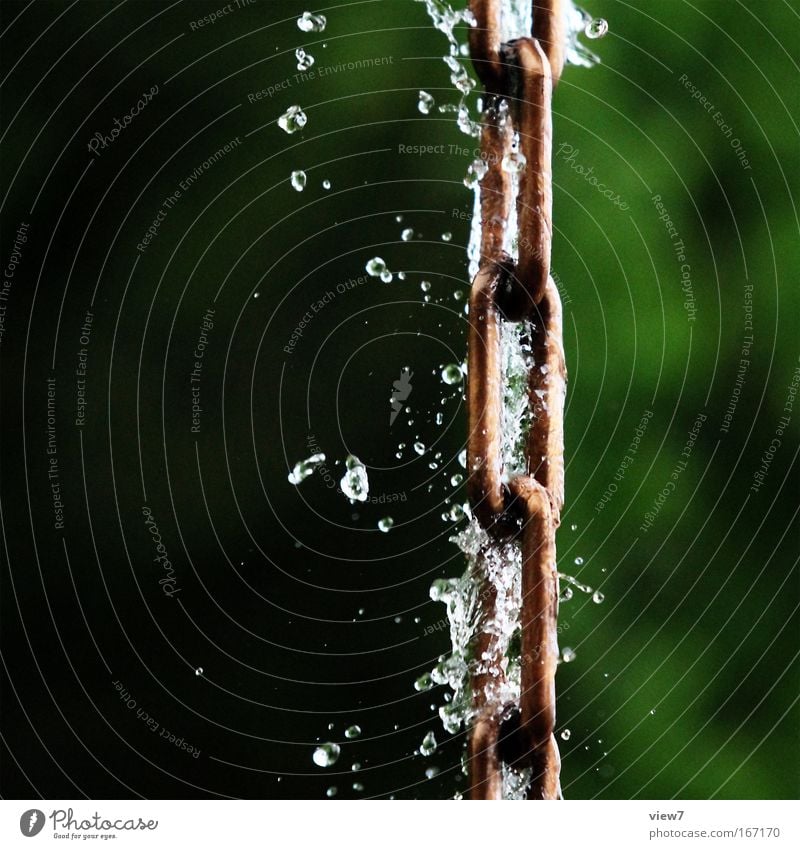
pixel 300 612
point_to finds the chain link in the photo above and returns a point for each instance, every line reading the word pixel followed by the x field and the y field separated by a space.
pixel 518 77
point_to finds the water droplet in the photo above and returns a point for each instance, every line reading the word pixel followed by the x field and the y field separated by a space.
pixel 352 732
pixel 475 173
pixel 386 276
pixel 292 120
pixel 424 682
pixel 355 484
pixel 358 786
pixel 355 767
pixel 579 561
pixel 566 734
pixel 573 527
pixel 419 447
pixel 568 654
pixel 198 671
pixel 456 479
pixel 385 524
pixel 566 595
pixel 596 28
pixel 298 180
pixel 431 772
pixel 326 184
pixel 462 458
pixel 425 286
pixel 451 374
pixel 311 23
pixel 458 295
pixel 407 235
pixel 598 597
pixel 425 103
pixel 304 468
pixel 457 513
pixel 398 218
pixel 653 712
pixel 331 792
pixel 428 745
pixel 446 237
pixel 514 162
pixel 375 267
pixel 304 60
pixel 439 418
pixel 326 755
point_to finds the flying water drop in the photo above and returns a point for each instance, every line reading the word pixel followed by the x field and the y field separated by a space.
pixel 311 23
pixel 292 120
pixel 355 484
pixel 425 103
pixel 428 745
pixel 326 755
pixel 298 180
pixel 304 60
pixel 304 468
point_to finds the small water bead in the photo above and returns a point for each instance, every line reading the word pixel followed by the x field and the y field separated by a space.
pixel 514 162
pixel 330 726
pixel 292 120
pixel 386 276
pixel 425 286
pixel 198 671
pixel 566 734
pixel 355 484
pixel 598 597
pixel 304 468
pixel 456 479
pixel 428 745
pixel 475 173
pixel 407 235
pixel 458 295
pixel 352 732
pixel 451 374
pixel 311 23
pixel 331 792
pixel 326 755
pixel 385 524
pixel 398 218
pixel 462 458
pixel 419 447
pixel 425 102
pixel 596 28
pixel 298 180
pixel 568 654
pixel 304 60
pixel 431 772
pixel 358 786
pixel 573 527
pixel 566 595
pixel 355 767
pixel 433 465
pixel 446 237
pixel 375 267
pixel 579 561
pixel 456 513
pixel 424 682
pixel 326 184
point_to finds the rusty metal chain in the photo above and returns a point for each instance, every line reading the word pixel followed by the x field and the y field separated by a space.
pixel 518 77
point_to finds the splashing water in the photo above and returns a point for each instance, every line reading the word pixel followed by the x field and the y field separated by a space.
pixel 355 484
pixel 304 468
pixel 425 102
pixel 311 23
pixel 326 755
pixel 304 60
pixel 292 120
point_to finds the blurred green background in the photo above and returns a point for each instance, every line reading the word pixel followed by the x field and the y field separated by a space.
pixel 304 618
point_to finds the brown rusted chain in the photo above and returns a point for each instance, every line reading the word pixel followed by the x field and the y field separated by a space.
pixel 528 506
